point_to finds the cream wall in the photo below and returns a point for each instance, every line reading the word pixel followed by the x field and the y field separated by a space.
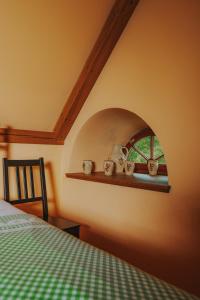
pixel 51 155
pixel 153 72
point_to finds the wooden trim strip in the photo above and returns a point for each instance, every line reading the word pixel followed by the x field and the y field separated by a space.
pixel 29 140
pixel 10 135
pixel 111 31
pixel 20 132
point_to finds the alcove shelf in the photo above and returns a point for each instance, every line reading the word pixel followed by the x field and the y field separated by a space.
pixel 141 181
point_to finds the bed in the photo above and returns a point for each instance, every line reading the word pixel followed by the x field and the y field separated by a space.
pixel 39 261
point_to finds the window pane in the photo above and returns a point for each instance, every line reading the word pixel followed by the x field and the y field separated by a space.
pixel 135 156
pixel 144 146
pixel 157 149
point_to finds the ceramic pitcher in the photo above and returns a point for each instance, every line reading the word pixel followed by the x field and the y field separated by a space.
pixel 119 156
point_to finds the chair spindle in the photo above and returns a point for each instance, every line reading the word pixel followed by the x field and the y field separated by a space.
pixel 18 183
pixel 32 182
pixel 25 183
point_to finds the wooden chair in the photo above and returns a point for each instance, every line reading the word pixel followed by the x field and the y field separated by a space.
pixel 27 194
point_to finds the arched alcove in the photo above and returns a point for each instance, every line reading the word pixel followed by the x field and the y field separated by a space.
pixel 103 130
pixel 96 138
pixel 95 142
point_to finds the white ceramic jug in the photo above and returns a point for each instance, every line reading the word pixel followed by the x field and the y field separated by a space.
pixel 119 155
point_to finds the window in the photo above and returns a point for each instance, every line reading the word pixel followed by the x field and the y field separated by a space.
pixel 144 146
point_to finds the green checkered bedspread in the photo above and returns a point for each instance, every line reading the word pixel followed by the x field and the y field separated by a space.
pixel 38 261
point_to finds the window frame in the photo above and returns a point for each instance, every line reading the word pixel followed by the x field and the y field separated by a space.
pixel 142 167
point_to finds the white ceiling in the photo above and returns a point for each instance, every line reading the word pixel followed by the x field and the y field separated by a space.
pixel 43 47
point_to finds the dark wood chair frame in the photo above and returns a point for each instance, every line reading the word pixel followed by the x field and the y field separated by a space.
pixel 26 164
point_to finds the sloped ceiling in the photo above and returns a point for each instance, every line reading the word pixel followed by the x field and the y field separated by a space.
pixel 44 45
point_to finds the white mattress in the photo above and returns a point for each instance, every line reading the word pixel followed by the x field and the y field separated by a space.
pixel 7 209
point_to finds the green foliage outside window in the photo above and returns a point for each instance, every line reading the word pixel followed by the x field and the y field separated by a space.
pixel 144 146
pixel 135 156
pixel 162 160
pixel 157 148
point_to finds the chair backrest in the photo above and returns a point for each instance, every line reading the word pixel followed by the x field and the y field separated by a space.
pixel 28 192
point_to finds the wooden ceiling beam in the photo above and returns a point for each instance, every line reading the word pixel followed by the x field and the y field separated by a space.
pixel 111 32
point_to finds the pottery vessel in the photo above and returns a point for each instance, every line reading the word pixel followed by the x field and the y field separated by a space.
pixel 108 167
pixel 129 167
pixel 152 165
pixel 87 166
pixel 119 156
